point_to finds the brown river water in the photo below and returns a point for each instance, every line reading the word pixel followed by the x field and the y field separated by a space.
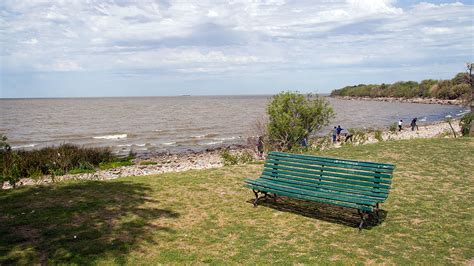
pixel 176 124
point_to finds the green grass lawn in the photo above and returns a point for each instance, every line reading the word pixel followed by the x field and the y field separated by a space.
pixel 206 216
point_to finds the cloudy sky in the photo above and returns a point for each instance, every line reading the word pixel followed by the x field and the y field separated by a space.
pixel 121 48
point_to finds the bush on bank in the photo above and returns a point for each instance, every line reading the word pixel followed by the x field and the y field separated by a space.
pixel 455 88
pixel 54 161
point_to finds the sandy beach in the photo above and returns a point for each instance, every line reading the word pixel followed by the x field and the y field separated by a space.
pixel 166 163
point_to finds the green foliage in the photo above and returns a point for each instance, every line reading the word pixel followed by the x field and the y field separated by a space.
pixel 359 136
pixel 54 161
pixel 239 158
pixel 83 168
pixel 115 164
pixel 9 168
pixel 148 163
pixel 465 123
pixel 294 116
pixel 456 88
pixel 378 135
pixel 393 128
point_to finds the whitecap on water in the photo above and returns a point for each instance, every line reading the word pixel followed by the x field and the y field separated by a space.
pixel 23 146
pixel 118 136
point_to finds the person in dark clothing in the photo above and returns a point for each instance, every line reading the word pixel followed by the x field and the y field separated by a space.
pixel 304 143
pixel 413 124
pixel 338 132
pixel 260 147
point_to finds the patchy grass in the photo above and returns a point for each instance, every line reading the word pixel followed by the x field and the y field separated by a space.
pixel 206 216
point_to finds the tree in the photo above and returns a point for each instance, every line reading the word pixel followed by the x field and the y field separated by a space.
pixel 8 164
pixel 470 96
pixel 293 116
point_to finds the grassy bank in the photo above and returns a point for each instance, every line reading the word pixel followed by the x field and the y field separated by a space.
pixel 206 216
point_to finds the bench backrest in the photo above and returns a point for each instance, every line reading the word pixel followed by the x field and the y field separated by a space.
pixel 366 179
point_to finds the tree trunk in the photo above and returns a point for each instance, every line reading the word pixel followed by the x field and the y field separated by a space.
pixel 471 131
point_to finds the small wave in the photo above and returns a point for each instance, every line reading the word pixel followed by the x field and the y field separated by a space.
pixel 140 145
pixel 158 130
pixel 224 139
pixel 463 113
pixel 24 146
pixel 119 136
pixel 124 145
pixel 423 119
pixel 199 136
pixel 214 142
pixel 448 116
pixel 169 143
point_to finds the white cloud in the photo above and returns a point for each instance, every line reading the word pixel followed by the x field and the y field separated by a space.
pixel 214 37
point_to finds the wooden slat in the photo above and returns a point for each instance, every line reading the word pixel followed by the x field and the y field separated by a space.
pixel 325 167
pixel 359 184
pixel 333 164
pixel 315 185
pixel 323 181
pixel 367 181
pixel 337 162
pixel 318 194
pixel 305 197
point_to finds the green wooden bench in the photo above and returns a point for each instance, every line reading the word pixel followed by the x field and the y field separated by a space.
pixel 353 184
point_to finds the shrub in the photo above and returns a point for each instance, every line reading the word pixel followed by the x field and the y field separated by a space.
pixel 52 161
pixel 233 159
pixel 465 123
pixel 358 135
pixel 393 128
pixel 293 116
pixel 148 163
pixel 9 167
pixel 378 135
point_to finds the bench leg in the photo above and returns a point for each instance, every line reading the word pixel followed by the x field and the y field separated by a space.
pixel 362 219
pixel 255 202
pixel 377 215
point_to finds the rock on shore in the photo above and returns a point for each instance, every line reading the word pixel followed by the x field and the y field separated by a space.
pixel 403 100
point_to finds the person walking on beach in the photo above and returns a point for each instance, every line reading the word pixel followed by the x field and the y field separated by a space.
pixel 334 134
pixel 338 132
pixel 400 124
pixel 260 147
pixel 413 124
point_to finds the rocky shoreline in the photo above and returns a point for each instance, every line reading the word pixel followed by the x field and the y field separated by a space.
pixel 150 164
pixel 402 100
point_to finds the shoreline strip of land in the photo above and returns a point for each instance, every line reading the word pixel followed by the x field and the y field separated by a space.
pixel 167 163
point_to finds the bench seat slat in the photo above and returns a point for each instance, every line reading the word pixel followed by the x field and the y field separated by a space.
pixel 318 194
pixel 315 166
pixel 330 181
pixel 320 186
pixel 364 180
pixel 304 197
pixel 336 195
pixel 335 160
pixel 292 194
pixel 335 185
